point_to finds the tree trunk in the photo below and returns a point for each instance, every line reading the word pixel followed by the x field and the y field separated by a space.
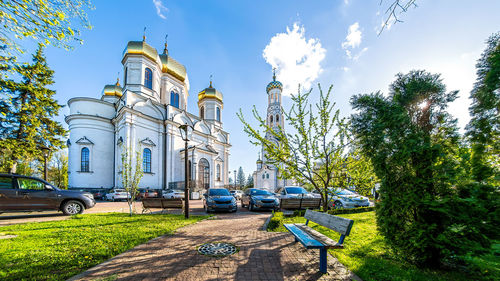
pixel 13 167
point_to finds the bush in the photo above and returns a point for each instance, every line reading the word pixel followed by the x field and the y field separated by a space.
pixel 351 211
pixel 276 221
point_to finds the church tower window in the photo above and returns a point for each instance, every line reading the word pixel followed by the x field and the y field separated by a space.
pixel 148 78
pixel 271 119
pixel 174 99
pixel 146 160
pixel 85 160
pixel 218 114
pixel 202 112
pixel 277 118
pixel 218 172
pixel 125 78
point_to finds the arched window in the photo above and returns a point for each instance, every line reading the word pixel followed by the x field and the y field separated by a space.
pixel 146 160
pixel 277 118
pixel 218 172
pixel 125 78
pixel 218 114
pixel 271 119
pixel 85 161
pixel 148 78
pixel 204 173
pixel 174 99
pixel 263 176
pixel 267 175
pixel 202 112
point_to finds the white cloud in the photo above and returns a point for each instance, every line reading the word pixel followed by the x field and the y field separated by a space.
pixel 297 59
pixel 160 9
pixel 353 38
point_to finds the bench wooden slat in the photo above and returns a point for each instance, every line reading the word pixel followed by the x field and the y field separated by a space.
pixel 162 203
pixel 338 224
pixel 323 239
pixel 303 237
pixel 295 203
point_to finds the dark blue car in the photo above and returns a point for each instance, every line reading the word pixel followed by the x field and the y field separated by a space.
pixel 259 199
pixel 219 199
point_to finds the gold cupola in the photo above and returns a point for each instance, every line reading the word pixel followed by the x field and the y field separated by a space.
pixel 113 90
pixel 210 93
pixel 165 62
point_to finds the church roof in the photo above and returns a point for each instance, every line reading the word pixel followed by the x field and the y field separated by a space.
pixel 210 92
pixel 167 63
pixel 113 90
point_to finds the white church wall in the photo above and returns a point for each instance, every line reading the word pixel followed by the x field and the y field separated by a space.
pixel 91 106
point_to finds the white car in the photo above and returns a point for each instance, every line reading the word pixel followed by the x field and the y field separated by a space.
pixel 236 193
pixel 117 194
pixel 343 198
pixel 294 192
pixel 173 193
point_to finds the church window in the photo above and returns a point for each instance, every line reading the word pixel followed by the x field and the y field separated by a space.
pixel 85 161
pixel 277 118
pixel 271 119
pixel 263 176
pixel 218 114
pixel 125 78
pixel 218 172
pixel 174 99
pixel 146 160
pixel 148 78
pixel 202 112
pixel 267 175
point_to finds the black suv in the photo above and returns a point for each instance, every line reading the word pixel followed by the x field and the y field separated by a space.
pixel 22 193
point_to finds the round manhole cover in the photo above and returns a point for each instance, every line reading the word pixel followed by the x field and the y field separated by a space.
pixel 217 249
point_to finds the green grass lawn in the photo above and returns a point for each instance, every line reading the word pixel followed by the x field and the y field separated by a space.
pixel 366 254
pixel 60 249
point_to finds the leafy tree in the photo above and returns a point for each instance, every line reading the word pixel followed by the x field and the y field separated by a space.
pixel 131 172
pixel 47 21
pixel 58 170
pixel 249 181
pixel 412 141
pixel 360 173
pixel 315 149
pixel 240 179
pixel 484 127
pixel 27 111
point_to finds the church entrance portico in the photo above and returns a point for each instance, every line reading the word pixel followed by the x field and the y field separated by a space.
pixel 204 173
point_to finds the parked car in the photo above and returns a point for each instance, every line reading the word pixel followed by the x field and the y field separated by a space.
pixel 294 192
pixel 236 193
pixel 22 193
pixel 99 194
pixel 255 198
pixel 117 194
pixel 173 193
pixel 219 199
pixel 343 198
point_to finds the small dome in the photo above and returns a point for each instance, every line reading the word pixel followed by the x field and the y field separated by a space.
pixel 113 90
pixel 210 92
pixel 274 84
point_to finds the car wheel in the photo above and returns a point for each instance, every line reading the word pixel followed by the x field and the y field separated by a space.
pixel 112 199
pixel 338 205
pixel 73 207
pixel 250 207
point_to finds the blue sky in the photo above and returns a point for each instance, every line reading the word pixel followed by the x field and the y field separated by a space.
pixel 335 42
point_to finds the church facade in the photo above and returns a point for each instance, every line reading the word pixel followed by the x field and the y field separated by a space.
pixel 267 176
pixel 144 115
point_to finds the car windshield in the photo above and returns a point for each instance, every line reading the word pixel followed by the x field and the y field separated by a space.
pixel 295 190
pixel 218 192
pixel 119 190
pixel 260 192
pixel 343 192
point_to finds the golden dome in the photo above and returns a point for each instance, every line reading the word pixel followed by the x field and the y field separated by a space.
pixel 166 63
pixel 113 90
pixel 210 93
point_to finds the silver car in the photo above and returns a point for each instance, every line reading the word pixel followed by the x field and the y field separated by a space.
pixel 343 198
pixel 173 193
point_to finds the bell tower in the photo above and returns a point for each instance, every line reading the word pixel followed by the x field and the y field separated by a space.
pixel 210 105
pixel 274 112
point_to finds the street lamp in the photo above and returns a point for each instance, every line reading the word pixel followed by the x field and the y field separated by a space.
pixel 45 151
pixel 186 131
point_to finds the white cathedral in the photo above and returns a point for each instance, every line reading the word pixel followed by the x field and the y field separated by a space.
pixel 267 176
pixel 145 114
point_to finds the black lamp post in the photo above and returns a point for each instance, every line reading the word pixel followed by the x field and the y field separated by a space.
pixel 186 131
pixel 45 151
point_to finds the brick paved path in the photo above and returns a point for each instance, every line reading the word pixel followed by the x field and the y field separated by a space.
pixel 262 256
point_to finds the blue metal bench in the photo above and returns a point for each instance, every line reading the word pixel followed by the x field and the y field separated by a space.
pixel 312 239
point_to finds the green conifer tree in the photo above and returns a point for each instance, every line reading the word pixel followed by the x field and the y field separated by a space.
pixel 27 114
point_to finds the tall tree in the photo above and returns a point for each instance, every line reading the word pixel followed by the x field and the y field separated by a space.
pixel 412 141
pixel 48 21
pixel 249 181
pixel 58 169
pixel 315 147
pixel 484 127
pixel 27 114
pixel 240 180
